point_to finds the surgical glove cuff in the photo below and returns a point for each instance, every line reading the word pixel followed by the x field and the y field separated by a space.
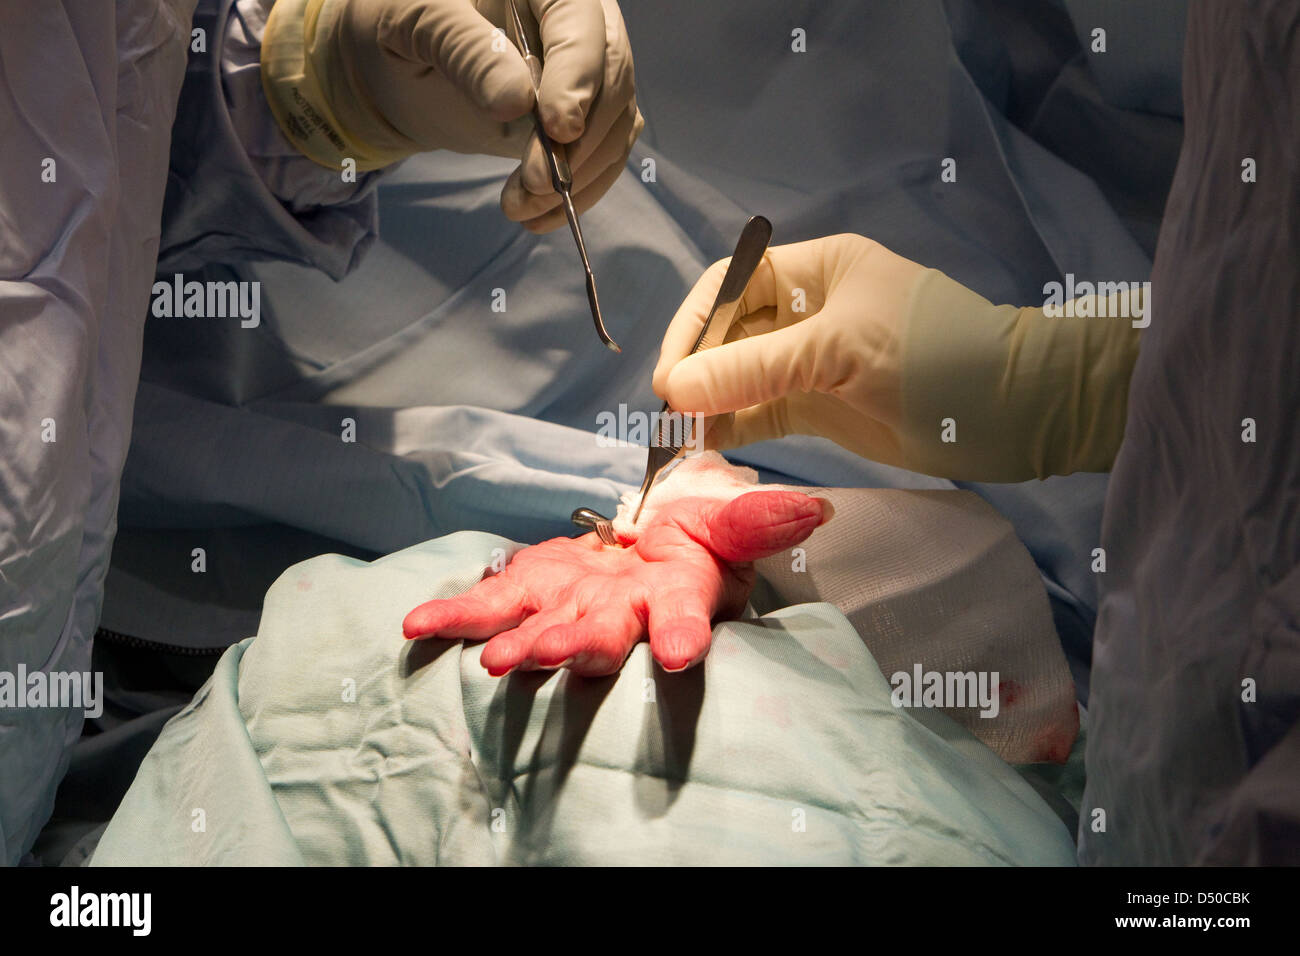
pixel 297 64
pixel 1000 393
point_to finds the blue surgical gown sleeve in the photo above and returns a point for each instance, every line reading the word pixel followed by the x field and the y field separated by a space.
pixel 237 189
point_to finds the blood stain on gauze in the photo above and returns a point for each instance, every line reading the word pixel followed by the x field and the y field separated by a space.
pixel 706 475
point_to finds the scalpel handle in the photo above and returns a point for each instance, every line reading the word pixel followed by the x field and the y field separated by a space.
pixel 749 252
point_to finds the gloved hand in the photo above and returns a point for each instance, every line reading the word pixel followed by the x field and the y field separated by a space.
pixel 379 80
pixel 901 364
pixel 573 602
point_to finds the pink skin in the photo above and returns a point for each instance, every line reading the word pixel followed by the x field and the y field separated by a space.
pixel 575 603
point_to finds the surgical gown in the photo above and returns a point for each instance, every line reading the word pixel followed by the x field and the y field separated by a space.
pixel 1194 750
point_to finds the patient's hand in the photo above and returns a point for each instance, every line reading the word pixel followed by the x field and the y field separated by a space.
pixel 576 603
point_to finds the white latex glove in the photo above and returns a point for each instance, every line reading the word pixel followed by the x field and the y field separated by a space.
pixel 885 352
pixel 379 80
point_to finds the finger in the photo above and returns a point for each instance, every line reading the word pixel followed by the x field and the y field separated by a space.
pixel 687 322
pixel 491 606
pixel 748 372
pixel 514 648
pixel 760 293
pixel 467 49
pixel 760 523
pixel 765 422
pixel 581 202
pixel 609 119
pixel 458 124
pixel 824 415
pixel 680 628
pixel 594 645
pixel 615 97
pixel 783 272
pixel 575 46
pixel 529 192
pixel 608 134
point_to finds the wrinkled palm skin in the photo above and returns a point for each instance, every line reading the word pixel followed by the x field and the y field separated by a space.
pixel 576 603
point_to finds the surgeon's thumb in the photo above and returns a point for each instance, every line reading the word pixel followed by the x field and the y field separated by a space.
pixel 472 53
pixel 746 372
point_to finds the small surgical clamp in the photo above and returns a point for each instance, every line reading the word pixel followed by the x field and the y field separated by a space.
pixel 561 175
pixel 597 522
pixel 749 253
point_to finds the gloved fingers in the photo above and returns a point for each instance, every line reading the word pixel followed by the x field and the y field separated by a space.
pixel 514 648
pixel 584 47
pixel 691 315
pixel 456 124
pixel 760 523
pixel 680 627
pixel 824 415
pixel 613 126
pixel 766 421
pixel 756 310
pixel 529 192
pixel 748 371
pixel 608 139
pixel 491 606
pixel 614 101
pixel 594 645
pixel 686 324
pixel 529 185
pixel 465 48
pixel 581 202
pixel 790 281
pixel 799 279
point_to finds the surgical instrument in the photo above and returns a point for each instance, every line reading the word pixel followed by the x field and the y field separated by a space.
pixel 561 175
pixel 597 522
pixel 749 252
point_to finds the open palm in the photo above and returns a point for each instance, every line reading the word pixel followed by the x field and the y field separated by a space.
pixel 577 603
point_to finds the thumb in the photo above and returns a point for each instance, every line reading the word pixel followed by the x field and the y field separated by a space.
pixel 746 372
pixel 760 523
pixel 471 52
pixel 574 47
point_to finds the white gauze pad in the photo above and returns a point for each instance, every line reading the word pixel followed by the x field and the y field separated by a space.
pixel 706 475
